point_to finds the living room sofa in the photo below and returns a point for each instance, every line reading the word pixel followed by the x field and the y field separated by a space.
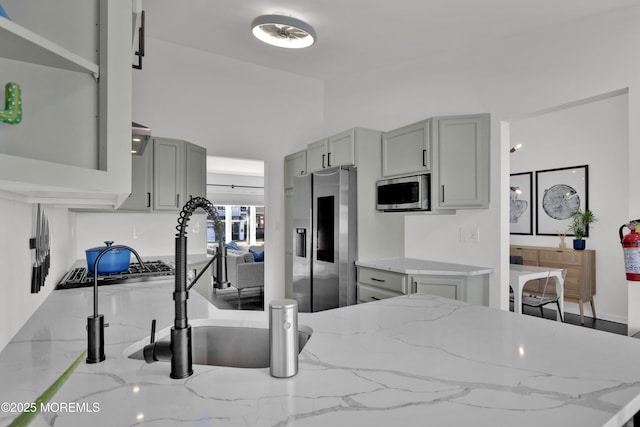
pixel 243 271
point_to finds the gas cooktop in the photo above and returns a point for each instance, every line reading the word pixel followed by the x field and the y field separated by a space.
pixel 80 277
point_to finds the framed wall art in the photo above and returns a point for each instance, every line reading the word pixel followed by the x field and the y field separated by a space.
pixel 559 193
pixel 521 203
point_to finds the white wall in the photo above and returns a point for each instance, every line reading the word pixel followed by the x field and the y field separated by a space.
pixel 596 134
pixel 18 303
pixel 149 234
pixel 235 189
pixel 235 110
pixel 509 79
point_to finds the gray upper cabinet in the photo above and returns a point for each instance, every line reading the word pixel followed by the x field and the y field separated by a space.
pixel 407 150
pixel 179 173
pixel 317 155
pixel 168 173
pixel 78 75
pixel 342 149
pixel 453 150
pixel 338 150
pixel 462 178
pixel 196 173
pixel 295 164
pixel 141 182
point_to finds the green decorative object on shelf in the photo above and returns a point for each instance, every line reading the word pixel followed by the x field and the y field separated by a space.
pixel 12 113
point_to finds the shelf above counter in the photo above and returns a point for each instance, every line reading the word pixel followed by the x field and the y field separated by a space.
pixel 20 44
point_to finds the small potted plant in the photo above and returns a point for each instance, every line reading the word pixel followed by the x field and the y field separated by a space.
pixel 579 224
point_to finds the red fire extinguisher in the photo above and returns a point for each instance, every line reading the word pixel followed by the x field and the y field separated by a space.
pixel 631 247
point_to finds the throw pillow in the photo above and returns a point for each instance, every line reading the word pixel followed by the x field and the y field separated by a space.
pixel 257 256
pixel 232 245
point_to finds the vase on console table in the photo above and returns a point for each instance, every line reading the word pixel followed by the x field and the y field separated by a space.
pixel 562 235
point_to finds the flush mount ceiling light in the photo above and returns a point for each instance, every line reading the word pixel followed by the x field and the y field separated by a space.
pixel 283 31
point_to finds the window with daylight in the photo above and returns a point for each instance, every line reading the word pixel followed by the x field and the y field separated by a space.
pixel 244 224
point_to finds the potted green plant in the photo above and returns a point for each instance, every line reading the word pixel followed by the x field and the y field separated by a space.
pixel 579 225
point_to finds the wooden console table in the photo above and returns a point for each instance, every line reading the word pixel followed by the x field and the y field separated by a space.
pixel 580 281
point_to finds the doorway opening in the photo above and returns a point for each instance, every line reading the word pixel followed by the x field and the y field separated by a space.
pixel 236 189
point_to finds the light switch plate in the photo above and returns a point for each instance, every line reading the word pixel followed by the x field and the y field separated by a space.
pixel 470 235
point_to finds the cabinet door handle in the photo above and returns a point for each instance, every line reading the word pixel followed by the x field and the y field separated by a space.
pixel 329 160
pixel 377 280
pixel 443 194
pixel 375 298
pixel 177 200
pixel 323 166
pixel 424 158
pixel 148 200
pixel 140 52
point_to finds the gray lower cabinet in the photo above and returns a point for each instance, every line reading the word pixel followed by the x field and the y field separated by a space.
pixel 169 173
pixel 368 293
pixel 471 289
pixel 374 284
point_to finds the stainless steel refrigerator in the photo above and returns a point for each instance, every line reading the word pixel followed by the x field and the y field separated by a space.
pixel 325 245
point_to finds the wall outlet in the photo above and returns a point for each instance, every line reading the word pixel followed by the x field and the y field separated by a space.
pixel 470 235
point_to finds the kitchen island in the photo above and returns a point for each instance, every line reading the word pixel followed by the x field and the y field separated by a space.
pixel 413 360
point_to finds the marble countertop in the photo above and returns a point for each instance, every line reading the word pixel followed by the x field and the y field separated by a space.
pixel 421 266
pixel 414 360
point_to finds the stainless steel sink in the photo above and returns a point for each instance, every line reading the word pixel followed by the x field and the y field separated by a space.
pixel 237 347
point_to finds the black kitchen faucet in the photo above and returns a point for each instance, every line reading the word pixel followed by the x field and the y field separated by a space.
pixel 179 349
pixel 95 323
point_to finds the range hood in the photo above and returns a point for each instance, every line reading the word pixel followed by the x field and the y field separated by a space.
pixel 140 136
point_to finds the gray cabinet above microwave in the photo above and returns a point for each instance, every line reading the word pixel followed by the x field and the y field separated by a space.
pixel 454 150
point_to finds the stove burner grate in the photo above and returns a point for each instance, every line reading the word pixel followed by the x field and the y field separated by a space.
pixel 80 277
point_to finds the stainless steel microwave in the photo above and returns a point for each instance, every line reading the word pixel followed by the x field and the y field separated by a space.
pixel 404 194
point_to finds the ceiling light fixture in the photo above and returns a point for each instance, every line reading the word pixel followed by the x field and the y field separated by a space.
pixel 283 31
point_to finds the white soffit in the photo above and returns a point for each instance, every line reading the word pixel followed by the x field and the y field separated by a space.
pixel 234 166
